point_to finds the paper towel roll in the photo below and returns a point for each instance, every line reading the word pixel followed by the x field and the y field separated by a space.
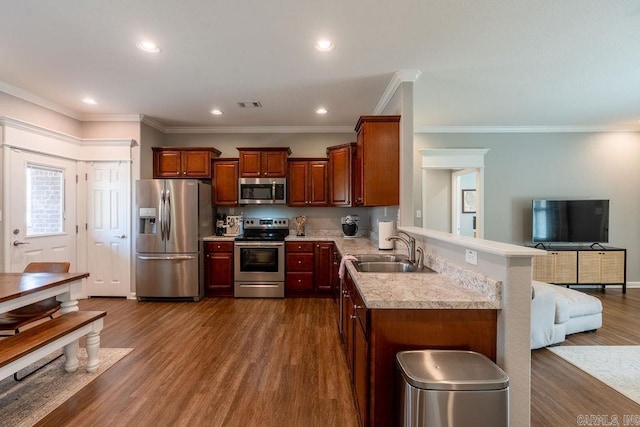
pixel 385 229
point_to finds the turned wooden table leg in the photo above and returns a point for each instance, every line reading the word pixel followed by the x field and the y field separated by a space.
pixel 71 356
pixel 93 346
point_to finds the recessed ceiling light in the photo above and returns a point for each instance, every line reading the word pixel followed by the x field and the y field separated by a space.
pixel 324 45
pixel 148 46
pixel 322 110
pixel 216 112
pixel 89 101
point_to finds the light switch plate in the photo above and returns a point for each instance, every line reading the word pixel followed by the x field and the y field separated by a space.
pixel 471 257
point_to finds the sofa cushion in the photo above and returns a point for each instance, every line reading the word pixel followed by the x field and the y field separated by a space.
pixel 579 303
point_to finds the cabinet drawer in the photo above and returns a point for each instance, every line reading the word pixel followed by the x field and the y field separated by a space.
pixel 300 262
pixel 299 247
pixel 298 281
pixel 218 246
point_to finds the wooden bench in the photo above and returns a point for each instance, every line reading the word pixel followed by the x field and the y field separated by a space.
pixel 27 347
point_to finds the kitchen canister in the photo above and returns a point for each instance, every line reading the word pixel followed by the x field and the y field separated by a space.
pixel 385 229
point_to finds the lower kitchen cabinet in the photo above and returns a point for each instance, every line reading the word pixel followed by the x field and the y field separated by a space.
pixel 372 337
pixel 309 267
pixel 218 269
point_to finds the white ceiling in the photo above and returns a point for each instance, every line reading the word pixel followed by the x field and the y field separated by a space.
pixel 491 63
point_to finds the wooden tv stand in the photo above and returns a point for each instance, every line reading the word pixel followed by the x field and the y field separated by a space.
pixel 581 265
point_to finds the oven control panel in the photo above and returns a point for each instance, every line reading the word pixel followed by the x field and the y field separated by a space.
pixel 268 223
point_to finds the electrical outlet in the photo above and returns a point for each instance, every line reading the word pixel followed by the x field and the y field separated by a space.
pixel 418 213
pixel 471 257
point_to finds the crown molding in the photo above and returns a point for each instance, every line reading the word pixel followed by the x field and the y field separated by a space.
pixel 34 99
pixel 157 125
pixel 70 139
pixel 524 129
pixel 262 129
pixel 39 130
pixel 109 142
pixel 398 78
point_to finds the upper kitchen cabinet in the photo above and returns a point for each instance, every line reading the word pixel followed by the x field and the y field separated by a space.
pixel 225 182
pixel 377 166
pixel 308 182
pixel 175 162
pixel 341 170
pixel 263 162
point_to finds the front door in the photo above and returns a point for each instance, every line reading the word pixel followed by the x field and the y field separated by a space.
pixel 108 229
pixel 42 209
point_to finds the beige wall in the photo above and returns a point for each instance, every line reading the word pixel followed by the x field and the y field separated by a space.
pixel 523 166
pixel 19 109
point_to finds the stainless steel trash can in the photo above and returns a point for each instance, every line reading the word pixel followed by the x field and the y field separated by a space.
pixel 451 388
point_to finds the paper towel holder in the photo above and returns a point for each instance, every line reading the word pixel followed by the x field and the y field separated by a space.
pixel 385 229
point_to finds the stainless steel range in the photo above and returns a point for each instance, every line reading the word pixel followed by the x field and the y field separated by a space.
pixel 259 258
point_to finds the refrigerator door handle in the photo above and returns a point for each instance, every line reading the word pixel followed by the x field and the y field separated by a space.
pixel 168 212
pixel 161 214
pixel 163 258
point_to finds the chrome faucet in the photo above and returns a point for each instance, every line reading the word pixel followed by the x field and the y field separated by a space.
pixel 409 241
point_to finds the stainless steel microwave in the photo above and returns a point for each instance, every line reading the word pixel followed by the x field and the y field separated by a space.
pixel 256 191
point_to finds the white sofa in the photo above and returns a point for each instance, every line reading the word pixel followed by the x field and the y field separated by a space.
pixel 557 311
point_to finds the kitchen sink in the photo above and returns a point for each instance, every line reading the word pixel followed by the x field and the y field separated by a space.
pixel 381 258
pixel 385 267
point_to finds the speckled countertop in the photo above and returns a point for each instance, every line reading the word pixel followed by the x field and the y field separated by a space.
pixel 405 290
pixel 423 290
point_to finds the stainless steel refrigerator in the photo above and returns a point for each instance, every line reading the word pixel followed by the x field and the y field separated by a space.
pixel 173 216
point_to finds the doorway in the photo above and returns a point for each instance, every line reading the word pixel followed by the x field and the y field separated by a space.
pixel 465 209
pixel 42 209
pixel 464 196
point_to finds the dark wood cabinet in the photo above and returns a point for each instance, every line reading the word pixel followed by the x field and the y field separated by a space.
pixel 263 162
pixel 307 182
pixel 373 337
pixel 218 269
pixel 340 175
pixel 299 268
pixel 323 267
pixel 191 162
pixel 309 266
pixel 355 325
pixel 225 182
pixel 377 165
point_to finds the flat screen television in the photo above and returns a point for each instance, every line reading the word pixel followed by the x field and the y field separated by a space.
pixel 570 221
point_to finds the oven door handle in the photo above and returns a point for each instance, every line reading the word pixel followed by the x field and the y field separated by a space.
pixel 254 244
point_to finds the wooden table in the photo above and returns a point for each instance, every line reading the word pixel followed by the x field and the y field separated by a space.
pixel 20 289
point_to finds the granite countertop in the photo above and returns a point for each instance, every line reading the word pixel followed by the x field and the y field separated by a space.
pixel 420 290
pixel 219 239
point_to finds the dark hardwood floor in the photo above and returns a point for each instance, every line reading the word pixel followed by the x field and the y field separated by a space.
pixel 265 362
pixel 561 393
pixel 218 362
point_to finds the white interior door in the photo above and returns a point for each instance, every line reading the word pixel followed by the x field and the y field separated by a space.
pixel 108 229
pixel 42 209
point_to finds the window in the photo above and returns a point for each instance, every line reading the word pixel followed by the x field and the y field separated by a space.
pixel 45 200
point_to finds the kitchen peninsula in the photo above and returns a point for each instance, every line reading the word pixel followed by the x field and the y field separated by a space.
pixel 491 300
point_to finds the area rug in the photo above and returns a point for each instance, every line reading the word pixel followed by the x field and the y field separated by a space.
pixel 616 366
pixel 26 402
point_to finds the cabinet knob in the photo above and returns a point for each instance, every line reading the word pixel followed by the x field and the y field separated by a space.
pixel 299 261
pixel 353 317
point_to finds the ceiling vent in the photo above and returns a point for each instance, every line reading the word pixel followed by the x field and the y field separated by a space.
pixel 250 104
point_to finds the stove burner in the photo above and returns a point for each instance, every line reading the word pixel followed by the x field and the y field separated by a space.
pixel 265 229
